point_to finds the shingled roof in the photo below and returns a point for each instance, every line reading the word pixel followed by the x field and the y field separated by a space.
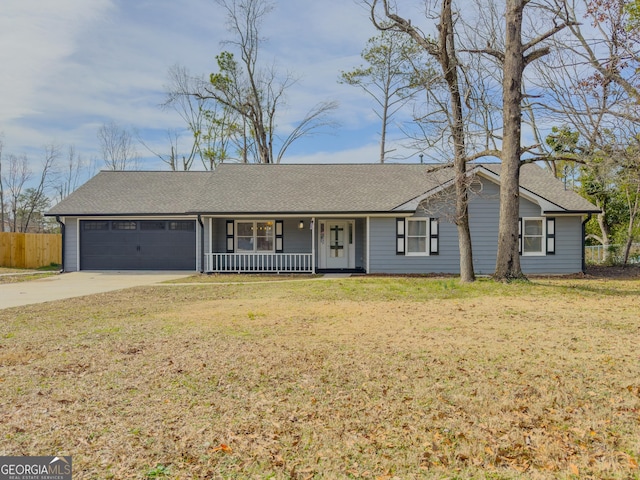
pixel 314 188
pixel 134 193
pixel 267 189
pixel 543 184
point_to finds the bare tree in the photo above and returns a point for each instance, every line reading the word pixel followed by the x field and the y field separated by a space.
pixel 389 77
pixel 214 128
pixel 173 159
pixel 611 47
pixel 117 147
pixel 70 175
pixel 17 175
pixel 518 50
pixel 591 83
pixel 443 50
pixel 630 185
pixel 38 195
pixel 255 93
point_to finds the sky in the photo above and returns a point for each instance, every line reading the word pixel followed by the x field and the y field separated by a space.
pixel 70 66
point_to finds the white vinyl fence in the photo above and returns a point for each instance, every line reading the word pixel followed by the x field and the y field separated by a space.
pixel 596 254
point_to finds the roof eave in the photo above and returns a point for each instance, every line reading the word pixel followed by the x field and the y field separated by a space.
pixel 136 214
pixel 296 212
pixel 571 212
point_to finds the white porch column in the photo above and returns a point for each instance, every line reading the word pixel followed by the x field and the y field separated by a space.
pixel 313 245
pixel 368 249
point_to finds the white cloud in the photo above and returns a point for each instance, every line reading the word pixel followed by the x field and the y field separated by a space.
pixel 71 65
pixel 35 38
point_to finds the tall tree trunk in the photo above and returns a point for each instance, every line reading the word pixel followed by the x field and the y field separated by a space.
pixel 383 133
pixel 508 258
pixel 443 49
pixel 605 231
pixel 449 62
pixel 634 206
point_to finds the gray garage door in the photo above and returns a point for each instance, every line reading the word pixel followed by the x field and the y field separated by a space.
pixel 138 245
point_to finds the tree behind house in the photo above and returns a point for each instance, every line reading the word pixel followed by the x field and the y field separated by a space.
pixel 255 91
pixel 391 77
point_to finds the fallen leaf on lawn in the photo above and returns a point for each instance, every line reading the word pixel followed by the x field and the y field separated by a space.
pixel 222 448
pixel 574 469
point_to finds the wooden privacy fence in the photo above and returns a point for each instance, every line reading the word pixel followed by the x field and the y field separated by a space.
pixel 30 250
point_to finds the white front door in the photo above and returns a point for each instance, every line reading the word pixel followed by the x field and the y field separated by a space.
pixel 336 244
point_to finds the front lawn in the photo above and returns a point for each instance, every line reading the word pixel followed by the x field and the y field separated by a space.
pixel 351 378
pixel 15 275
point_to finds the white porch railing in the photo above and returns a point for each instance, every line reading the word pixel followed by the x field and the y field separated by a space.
pixel 259 262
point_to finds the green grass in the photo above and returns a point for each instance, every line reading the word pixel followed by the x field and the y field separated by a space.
pixel 242 278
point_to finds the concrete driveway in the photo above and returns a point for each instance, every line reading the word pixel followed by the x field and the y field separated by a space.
pixel 77 284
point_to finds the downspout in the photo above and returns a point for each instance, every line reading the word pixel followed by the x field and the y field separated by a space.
pixel 201 243
pixel 584 240
pixel 62 227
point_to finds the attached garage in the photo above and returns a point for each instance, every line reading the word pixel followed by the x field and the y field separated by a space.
pixel 137 244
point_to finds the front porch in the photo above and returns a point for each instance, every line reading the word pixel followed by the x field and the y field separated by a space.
pixel 258 263
pixel 287 245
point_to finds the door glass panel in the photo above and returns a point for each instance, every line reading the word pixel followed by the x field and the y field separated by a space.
pixel 152 225
pixel 336 244
pixel 95 225
pixel 184 225
pixel 123 225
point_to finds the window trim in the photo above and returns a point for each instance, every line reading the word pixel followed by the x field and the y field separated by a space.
pixel 255 236
pixel 543 237
pixel 426 236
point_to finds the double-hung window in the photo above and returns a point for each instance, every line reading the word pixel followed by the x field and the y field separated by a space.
pixel 417 236
pixel 255 236
pixel 538 236
pixel 533 236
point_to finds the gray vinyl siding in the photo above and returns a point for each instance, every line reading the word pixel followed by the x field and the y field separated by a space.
pixel 484 213
pixel 71 244
pixel 568 256
pixel 294 239
pixel 200 230
pixel 360 239
pixel 383 259
pixel 209 227
pixel 484 216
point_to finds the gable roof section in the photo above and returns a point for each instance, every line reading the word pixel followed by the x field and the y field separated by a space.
pixel 547 190
pixel 133 193
pixel 293 188
pixel 237 188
